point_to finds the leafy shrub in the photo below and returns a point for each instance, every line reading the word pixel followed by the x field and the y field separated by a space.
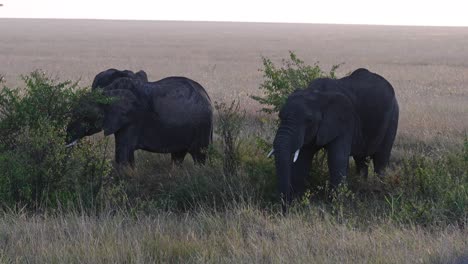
pixel 36 168
pixel 42 100
pixel 280 82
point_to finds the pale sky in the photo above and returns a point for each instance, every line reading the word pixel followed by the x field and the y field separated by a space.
pixel 381 12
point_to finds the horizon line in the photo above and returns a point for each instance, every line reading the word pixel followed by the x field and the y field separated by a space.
pixel 227 21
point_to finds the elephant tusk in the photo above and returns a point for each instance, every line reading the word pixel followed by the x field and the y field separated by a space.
pixel 296 154
pixel 72 144
pixel 271 153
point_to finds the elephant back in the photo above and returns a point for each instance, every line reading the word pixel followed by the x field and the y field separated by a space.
pixel 181 100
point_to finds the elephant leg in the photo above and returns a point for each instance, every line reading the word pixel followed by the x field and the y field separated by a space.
pixel 120 155
pixel 381 160
pixel 177 158
pixel 338 160
pixel 199 156
pixel 362 166
pixel 300 171
pixel 124 149
pixel 124 156
pixel 131 158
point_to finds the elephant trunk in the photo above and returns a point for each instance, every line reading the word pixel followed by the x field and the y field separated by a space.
pixel 283 163
pixel 283 151
pixel 288 141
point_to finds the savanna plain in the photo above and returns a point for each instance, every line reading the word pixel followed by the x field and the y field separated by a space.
pixel 416 213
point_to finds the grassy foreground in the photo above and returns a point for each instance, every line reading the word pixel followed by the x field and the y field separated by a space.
pixel 242 234
pixel 70 205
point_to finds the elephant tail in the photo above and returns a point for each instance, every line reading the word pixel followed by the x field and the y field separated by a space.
pixel 211 133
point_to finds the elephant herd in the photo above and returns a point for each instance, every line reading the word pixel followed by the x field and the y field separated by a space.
pixel 353 116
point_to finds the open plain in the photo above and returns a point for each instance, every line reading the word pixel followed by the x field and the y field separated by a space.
pixel 428 66
pixel 415 220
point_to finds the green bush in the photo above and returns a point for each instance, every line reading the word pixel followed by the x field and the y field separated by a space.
pixel 43 99
pixel 37 170
pixel 280 82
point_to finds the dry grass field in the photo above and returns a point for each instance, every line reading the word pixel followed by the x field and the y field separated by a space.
pixel 241 235
pixel 428 67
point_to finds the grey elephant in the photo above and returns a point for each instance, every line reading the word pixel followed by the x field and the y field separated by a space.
pixel 173 115
pixel 106 77
pixel 353 116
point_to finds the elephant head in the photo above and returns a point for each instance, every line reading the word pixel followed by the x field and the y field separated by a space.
pixel 116 107
pixel 309 120
pixel 106 77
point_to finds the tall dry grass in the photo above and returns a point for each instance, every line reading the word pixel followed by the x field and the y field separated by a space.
pixel 242 234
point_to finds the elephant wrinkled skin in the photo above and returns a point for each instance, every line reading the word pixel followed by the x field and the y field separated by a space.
pixel 173 115
pixel 353 116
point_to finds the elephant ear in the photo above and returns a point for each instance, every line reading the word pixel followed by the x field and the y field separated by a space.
pixel 106 77
pixel 142 75
pixel 119 112
pixel 337 118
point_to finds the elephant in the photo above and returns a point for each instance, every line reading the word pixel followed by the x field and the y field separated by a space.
pixel 106 77
pixel 173 115
pixel 353 116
